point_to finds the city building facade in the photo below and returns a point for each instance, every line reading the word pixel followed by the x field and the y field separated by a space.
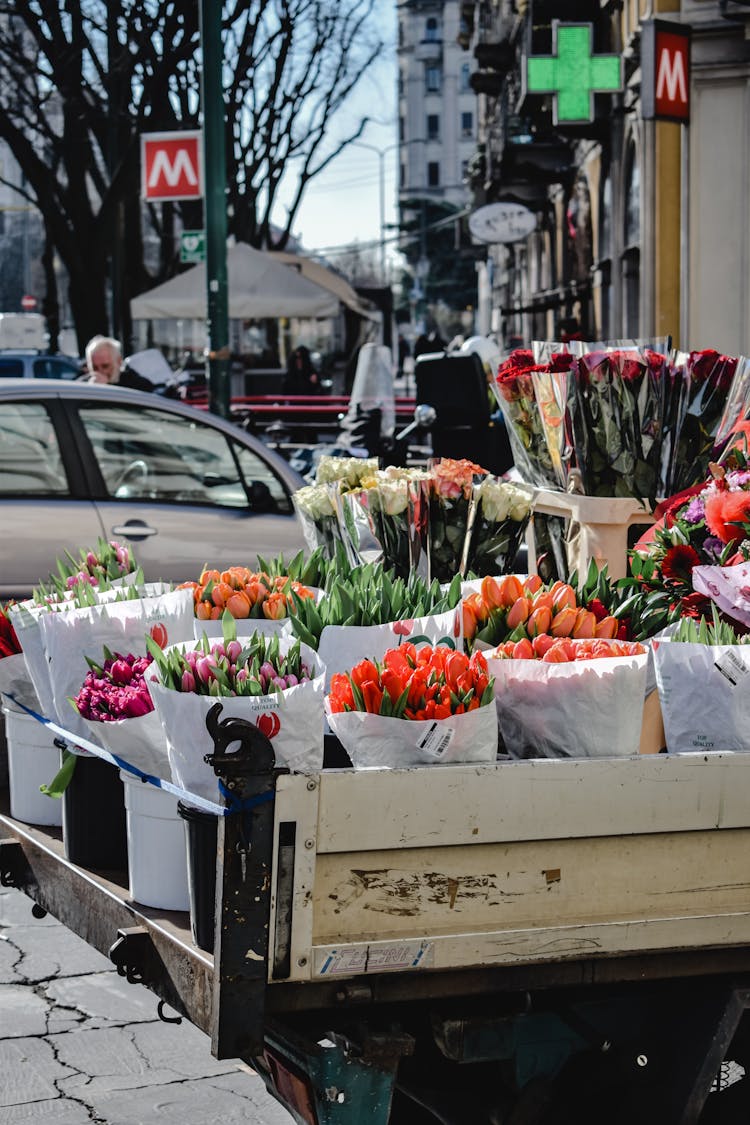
pixel 642 221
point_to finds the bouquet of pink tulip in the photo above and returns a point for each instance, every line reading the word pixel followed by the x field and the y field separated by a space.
pixel 255 666
pixel 115 689
pixel 274 683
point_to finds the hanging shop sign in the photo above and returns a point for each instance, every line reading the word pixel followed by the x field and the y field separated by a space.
pixel 665 71
pixel 573 73
pixel 171 166
pixel 502 222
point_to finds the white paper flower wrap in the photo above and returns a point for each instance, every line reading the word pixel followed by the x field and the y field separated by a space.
pixel 375 741
pixel 582 709
pixel 343 646
pixel 704 692
pixel 293 720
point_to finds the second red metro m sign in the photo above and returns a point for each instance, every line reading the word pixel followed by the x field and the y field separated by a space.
pixel 171 166
pixel 665 71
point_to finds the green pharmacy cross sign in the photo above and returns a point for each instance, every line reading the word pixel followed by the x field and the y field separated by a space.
pixel 573 73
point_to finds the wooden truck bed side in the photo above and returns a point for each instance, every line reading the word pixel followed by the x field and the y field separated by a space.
pixel 514 863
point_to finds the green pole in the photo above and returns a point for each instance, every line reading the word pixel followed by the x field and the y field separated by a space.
pixel 215 208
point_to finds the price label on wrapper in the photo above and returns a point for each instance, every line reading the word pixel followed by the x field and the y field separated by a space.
pixel 436 740
pixel 732 668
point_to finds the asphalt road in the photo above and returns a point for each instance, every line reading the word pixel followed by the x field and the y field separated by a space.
pixel 80 1046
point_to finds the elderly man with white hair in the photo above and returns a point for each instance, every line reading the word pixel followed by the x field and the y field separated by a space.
pixel 104 364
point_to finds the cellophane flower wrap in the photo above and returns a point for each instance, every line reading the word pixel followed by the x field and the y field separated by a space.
pixel 272 682
pixel 498 523
pixel 419 705
pixel 314 504
pixel 564 705
pixel 451 488
pixel 702 674
pixel 14 675
pixel 384 505
pixel 515 392
pixel 117 708
pixel 708 380
pixel 615 406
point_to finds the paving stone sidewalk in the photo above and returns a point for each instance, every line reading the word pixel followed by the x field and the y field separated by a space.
pixel 79 1045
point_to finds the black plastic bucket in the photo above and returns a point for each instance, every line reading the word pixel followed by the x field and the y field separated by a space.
pixel 93 817
pixel 201 830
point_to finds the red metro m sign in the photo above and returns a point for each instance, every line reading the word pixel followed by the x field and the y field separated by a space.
pixel 171 166
pixel 665 71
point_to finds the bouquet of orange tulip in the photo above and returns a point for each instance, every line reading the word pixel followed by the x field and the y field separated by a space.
pixel 576 699
pixel 418 705
pixel 530 614
pixel 244 593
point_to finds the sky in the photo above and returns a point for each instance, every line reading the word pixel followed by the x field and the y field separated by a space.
pixel 342 205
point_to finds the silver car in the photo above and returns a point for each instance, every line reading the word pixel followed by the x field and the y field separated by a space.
pixel 183 487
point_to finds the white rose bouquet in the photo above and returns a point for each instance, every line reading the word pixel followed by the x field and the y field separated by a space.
pixel 316 509
pixel 497 523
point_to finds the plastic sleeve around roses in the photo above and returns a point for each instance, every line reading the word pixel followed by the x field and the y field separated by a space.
pixel 448 523
pixel 322 533
pixel 614 407
pixel 361 519
pixel 551 395
pixel 494 546
pixel 709 379
pixel 420 529
pixel 530 454
pixel 393 532
pixel 736 408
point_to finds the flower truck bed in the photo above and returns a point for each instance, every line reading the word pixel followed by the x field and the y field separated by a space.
pixel 478 928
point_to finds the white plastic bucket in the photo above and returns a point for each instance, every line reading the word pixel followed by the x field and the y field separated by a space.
pixel 33 760
pixel 157 855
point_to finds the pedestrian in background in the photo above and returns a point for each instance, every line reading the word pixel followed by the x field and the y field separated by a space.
pixel 104 364
pixel 301 376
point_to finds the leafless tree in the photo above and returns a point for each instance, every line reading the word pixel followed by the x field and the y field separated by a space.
pixel 81 80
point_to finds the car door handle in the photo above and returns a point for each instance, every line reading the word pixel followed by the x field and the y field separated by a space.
pixel 134 529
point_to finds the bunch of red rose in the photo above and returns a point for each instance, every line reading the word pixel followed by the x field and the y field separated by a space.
pixel 411 683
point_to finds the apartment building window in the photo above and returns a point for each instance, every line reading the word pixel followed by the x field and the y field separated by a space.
pixel 433 79
pixel 467 124
pixel 401 129
pixel 464 171
pixel 433 174
pixel 604 264
pixel 465 76
pixel 431 30
pixel 402 176
pixel 433 127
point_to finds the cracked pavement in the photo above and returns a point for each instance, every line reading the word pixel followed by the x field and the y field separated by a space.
pixel 79 1045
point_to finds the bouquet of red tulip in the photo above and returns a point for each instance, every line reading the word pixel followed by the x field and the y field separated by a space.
pixel 411 683
pixel 418 705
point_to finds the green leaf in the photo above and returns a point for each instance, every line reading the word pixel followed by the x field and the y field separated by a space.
pixel 62 778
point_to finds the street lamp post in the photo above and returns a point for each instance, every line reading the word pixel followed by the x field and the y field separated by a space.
pixel 381 154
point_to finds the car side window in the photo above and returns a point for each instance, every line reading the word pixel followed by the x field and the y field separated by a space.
pixel 267 490
pixel 50 367
pixel 150 454
pixel 11 368
pixel 30 460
